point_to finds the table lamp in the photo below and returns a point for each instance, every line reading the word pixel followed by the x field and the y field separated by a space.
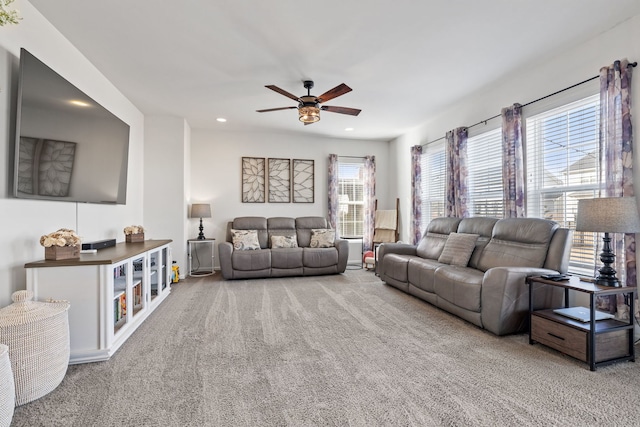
pixel 608 215
pixel 201 210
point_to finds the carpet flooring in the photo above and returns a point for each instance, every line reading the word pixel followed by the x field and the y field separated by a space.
pixel 328 351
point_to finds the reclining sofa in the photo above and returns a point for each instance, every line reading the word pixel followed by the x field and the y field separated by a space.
pixel 476 268
pixel 265 260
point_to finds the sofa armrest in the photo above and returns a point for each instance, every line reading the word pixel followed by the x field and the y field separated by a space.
pixel 505 298
pixel 342 245
pixel 225 249
pixel 395 248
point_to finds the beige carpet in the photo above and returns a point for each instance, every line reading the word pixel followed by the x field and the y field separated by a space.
pixel 333 350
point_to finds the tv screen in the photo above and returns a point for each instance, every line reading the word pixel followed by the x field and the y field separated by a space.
pixel 68 147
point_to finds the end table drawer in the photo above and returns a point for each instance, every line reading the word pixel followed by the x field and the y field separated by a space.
pixel 560 337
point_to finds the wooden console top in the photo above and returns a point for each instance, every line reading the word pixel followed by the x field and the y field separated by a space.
pixel 111 255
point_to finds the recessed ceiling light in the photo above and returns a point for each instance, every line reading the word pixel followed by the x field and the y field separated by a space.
pixel 221 119
pixel 79 103
pixel 349 129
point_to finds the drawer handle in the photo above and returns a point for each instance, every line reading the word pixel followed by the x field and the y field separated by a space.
pixel 555 336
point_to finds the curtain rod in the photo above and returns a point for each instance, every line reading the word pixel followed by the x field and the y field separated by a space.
pixel 352 157
pixel 631 64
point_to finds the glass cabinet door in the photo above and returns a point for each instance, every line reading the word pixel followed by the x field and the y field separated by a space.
pixel 137 286
pixel 158 272
pixel 120 278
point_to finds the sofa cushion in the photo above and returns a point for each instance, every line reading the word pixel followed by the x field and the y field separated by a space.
pixel 286 258
pixel 460 286
pixel 245 240
pixel 458 249
pixel 396 266
pixel 483 227
pixel 251 260
pixel 319 257
pixel 284 242
pixel 322 238
pixel 257 223
pixel 518 242
pixel 280 226
pixel 421 273
pixel 305 224
pixel 434 239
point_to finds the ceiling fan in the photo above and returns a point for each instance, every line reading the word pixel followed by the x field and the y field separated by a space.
pixel 309 105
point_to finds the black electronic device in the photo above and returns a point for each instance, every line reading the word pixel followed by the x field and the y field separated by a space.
pixel 100 244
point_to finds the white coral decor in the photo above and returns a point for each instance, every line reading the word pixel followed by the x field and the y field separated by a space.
pixel 62 237
pixel 133 229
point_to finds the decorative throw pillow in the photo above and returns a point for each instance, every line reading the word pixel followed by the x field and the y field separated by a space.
pixel 245 240
pixel 458 249
pixel 284 241
pixel 322 238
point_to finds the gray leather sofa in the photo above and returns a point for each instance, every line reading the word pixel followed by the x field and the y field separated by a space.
pixel 491 290
pixel 279 262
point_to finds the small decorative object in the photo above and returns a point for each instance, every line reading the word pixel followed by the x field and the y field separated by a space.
pixel 201 210
pixel 608 215
pixel 8 16
pixel 61 244
pixel 37 334
pixel 134 234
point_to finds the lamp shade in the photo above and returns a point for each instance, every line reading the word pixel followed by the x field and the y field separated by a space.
pixel 200 210
pixel 609 215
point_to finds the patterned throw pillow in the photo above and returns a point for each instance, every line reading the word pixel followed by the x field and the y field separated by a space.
pixel 322 238
pixel 245 240
pixel 284 241
pixel 458 249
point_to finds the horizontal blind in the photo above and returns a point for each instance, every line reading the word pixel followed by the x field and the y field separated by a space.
pixel 432 165
pixel 484 165
pixel 563 167
pixel 350 198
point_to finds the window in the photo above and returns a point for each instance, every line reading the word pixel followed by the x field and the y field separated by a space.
pixel 351 198
pixel 562 167
pixel 484 165
pixel 432 165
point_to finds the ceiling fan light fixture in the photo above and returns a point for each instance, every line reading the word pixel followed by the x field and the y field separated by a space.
pixel 309 114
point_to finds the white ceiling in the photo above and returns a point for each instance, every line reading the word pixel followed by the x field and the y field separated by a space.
pixel 404 59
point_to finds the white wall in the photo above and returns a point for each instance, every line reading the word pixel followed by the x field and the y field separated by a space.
pixel 166 181
pixel 24 221
pixel 216 173
pixel 539 79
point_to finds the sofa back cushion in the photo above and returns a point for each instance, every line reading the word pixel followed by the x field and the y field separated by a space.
pixel 518 242
pixel 257 223
pixel 281 226
pixel 483 227
pixel 305 224
pixel 434 239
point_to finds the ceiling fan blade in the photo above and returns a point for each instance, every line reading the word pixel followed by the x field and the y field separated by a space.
pixel 283 92
pixel 341 110
pixel 341 89
pixel 275 109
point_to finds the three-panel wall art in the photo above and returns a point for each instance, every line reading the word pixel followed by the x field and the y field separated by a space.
pixel 277 180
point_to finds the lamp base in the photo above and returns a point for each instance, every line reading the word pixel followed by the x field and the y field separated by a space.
pixel 201 234
pixel 607 275
pixel 608 281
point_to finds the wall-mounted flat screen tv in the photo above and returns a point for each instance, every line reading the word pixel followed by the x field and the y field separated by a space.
pixel 68 147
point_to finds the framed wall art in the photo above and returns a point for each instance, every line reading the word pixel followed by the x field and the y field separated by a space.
pixel 303 181
pixel 253 180
pixel 279 180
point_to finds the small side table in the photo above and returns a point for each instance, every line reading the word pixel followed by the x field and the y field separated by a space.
pixel 196 250
pixel 595 342
pixel 356 267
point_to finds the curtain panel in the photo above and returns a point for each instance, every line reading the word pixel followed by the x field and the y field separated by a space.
pixel 416 189
pixel 616 146
pixel 457 190
pixel 333 192
pixel 512 162
pixel 369 202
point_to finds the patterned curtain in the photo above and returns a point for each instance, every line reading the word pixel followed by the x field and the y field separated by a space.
pixel 416 201
pixel 457 186
pixel 369 201
pixel 616 146
pixel 512 166
pixel 333 192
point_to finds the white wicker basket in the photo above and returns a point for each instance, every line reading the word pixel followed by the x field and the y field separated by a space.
pixel 7 388
pixel 37 334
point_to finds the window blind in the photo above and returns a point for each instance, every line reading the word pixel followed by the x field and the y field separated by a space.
pixel 350 198
pixel 484 165
pixel 432 164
